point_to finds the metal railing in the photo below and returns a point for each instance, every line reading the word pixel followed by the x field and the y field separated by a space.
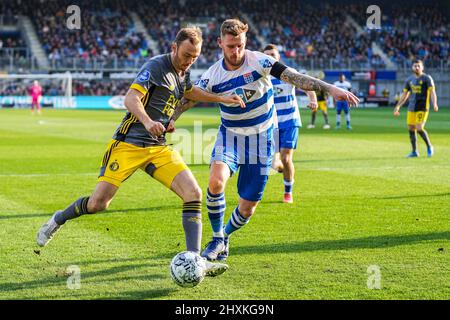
pixel 97 64
pixel 13 59
pixel 7 20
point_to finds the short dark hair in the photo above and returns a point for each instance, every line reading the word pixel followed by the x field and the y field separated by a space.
pixel 234 27
pixel 418 61
pixel 270 46
pixel 193 34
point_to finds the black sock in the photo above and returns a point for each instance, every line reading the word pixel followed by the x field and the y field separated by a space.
pixel 413 139
pixel 425 137
pixel 75 210
pixel 192 225
pixel 325 116
pixel 313 118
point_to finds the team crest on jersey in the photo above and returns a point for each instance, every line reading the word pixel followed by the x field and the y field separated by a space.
pixel 265 63
pixel 245 94
pixel 248 77
pixel 144 76
pixel 114 166
pixel 203 83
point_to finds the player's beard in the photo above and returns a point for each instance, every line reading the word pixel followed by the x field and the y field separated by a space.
pixel 234 62
pixel 177 63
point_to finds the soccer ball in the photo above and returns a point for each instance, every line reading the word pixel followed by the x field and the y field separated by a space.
pixel 187 269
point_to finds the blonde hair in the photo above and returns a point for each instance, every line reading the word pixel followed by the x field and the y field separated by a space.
pixel 234 27
pixel 193 34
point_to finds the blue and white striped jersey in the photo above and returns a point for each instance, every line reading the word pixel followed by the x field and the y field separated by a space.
pixel 252 81
pixel 286 104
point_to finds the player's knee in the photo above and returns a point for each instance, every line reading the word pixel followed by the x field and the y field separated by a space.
pixel 216 185
pixel 286 158
pixel 194 194
pixel 247 211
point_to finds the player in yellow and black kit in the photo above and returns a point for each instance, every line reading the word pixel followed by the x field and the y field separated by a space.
pixel 419 88
pixel 322 106
pixel 139 142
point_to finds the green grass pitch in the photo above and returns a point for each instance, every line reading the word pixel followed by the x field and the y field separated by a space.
pixel 358 203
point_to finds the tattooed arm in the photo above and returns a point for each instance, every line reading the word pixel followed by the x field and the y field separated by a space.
pixel 307 83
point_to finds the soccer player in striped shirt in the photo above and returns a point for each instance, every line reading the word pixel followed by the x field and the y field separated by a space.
pixel 245 138
pixel 288 122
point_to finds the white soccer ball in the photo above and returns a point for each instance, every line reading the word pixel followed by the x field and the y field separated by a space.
pixel 187 269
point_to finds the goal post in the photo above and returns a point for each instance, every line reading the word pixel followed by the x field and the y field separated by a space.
pixel 56 89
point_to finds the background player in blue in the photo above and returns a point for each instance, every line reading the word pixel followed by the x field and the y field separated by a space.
pixel 247 73
pixel 419 88
pixel 342 105
pixel 288 122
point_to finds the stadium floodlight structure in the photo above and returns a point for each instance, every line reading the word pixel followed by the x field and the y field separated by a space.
pixel 57 89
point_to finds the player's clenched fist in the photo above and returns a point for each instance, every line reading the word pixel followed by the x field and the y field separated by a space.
pixel 155 128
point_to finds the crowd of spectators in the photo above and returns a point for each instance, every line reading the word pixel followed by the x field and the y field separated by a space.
pixel 412 30
pixel 106 30
pixel 309 33
pixel 168 16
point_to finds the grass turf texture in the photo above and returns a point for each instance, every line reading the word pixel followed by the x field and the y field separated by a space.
pixel 358 202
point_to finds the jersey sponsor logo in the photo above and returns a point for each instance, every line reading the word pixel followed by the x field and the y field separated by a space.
pixel 225 86
pixel 114 166
pixel 144 76
pixel 265 63
pixel 245 94
pixel 170 105
pixel 248 77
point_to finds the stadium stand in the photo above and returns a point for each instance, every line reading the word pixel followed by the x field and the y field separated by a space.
pixel 311 35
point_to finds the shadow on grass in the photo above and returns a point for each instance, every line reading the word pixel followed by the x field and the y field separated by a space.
pixel 141 294
pixel 374 242
pixel 416 196
pixel 49 214
pixel 60 277
pixel 344 160
pixel 332 245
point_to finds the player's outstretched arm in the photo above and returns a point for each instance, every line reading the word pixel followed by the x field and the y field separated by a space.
pixel 308 83
pixel 400 103
pixel 196 95
pixel 200 95
pixel 134 104
pixel 184 106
